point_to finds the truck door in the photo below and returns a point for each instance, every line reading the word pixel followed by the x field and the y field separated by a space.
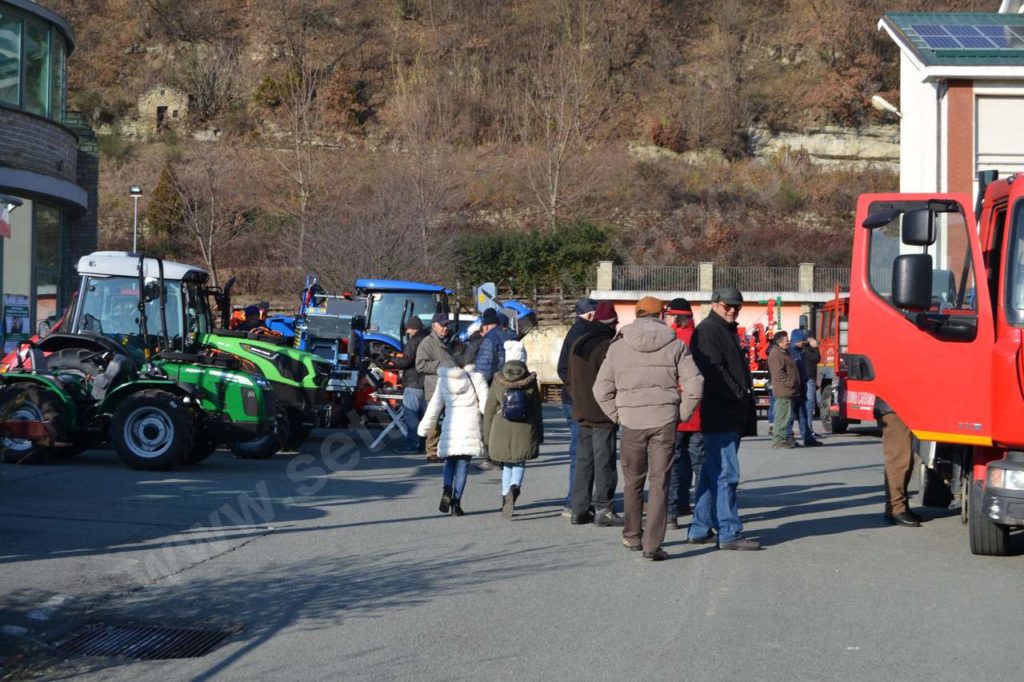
pixel 929 357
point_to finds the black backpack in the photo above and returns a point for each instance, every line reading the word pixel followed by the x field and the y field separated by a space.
pixel 513 406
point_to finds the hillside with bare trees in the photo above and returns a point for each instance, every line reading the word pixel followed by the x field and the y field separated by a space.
pixel 412 138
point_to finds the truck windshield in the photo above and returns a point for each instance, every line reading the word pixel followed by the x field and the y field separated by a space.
pixel 109 306
pixel 386 313
pixel 1015 269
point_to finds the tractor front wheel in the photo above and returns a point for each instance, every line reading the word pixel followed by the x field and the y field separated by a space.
pixel 152 430
pixel 28 402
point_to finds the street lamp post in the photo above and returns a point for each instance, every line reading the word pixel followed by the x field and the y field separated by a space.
pixel 135 191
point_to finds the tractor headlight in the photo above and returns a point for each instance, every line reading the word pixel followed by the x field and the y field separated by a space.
pixel 1007 479
pixel 262 383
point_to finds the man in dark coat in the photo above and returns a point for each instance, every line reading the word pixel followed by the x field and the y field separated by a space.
pixel 812 356
pixel 413 404
pixel 489 357
pixel 803 407
pixel 584 313
pixel 727 414
pixel 595 477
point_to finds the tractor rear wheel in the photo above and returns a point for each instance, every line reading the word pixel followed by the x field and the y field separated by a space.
pixel 152 430
pixel 267 445
pixel 988 538
pixel 298 430
pixel 28 402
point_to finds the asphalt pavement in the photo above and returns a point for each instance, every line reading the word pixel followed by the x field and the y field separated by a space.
pixel 334 563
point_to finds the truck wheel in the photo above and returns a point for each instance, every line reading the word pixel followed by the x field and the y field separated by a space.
pixel 987 537
pixel 298 432
pixel 28 402
pixel 935 491
pixel 830 422
pixel 267 445
pixel 152 430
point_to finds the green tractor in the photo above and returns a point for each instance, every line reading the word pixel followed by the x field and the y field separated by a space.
pixel 297 379
pixel 131 377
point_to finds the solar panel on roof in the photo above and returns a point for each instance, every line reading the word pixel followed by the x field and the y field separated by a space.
pixel 1000 42
pixel 976 42
pixel 930 30
pixel 963 30
pixel 941 42
pixel 992 31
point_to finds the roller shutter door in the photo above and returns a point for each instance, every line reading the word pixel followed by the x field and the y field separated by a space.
pixel 1000 134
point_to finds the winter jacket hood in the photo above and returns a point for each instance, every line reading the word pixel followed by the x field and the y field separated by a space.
pixel 647 335
pixel 513 441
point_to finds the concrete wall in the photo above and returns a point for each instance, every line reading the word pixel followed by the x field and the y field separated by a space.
pixel 543 346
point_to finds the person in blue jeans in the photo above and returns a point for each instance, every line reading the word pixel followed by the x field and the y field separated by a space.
pixel 727 414
pixel 585 308
pixel 803 406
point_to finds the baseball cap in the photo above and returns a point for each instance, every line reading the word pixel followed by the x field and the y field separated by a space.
pixel 440 318
pixel 649 305
pixel 727 295
pixel 679 306
pixel 585 305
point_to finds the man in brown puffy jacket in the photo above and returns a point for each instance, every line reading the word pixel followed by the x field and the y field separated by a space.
pixel 647 384
pixel 786 387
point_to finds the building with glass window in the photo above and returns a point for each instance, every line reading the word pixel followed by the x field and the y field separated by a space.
pixel 48 160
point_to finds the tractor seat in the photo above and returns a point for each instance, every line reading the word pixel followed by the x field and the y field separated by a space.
pixel 119 370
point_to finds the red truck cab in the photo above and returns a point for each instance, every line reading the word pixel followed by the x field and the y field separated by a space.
pixel 936 316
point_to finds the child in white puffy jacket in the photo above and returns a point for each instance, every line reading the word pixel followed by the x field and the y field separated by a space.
pixel 462 393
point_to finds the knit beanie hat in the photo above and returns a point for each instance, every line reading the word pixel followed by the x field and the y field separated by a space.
pixel 605 312
pixel 515 351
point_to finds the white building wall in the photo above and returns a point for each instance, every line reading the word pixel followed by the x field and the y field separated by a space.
pixel 919 131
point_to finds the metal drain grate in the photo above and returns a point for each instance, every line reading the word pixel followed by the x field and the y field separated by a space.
pixel 141 643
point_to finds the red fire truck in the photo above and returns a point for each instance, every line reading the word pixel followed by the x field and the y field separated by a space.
pixel 838 406
pixel 937 331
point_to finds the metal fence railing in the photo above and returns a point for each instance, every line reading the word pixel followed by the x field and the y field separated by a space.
pixel 656 278
pixel 825 279
pixel 758 279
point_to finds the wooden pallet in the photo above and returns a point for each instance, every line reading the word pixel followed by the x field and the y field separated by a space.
pixel 551 393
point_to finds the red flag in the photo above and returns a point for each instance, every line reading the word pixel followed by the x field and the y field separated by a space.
pixel 5 221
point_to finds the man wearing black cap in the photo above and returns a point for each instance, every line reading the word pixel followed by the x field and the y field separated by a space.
pixel 413 404
pixel 431 355
pixel 584 313
pixel 490 354
pixel 689 445
pixel 727 414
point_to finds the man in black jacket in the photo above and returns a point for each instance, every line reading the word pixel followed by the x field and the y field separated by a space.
pixel 727 414
pixel 584 314
pixel 413 404
pixel 595 476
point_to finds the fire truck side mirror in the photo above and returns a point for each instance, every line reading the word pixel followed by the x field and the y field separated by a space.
pixel 912 281
pixel 918 228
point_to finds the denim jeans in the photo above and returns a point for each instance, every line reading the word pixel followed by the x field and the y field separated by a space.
pixel 413 407
pixel 689 459
pixel 453 475
pixel 800 418
pixel 716 505
pixel 811 400
pixel 574 437
pixel 511 474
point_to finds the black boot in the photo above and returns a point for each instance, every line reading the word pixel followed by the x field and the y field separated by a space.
pixel 446 500
pixel 457 508
pixel 508 506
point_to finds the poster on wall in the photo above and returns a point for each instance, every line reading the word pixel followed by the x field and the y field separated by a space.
pixel 16 320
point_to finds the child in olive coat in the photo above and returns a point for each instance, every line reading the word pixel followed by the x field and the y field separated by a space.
pixel 513 422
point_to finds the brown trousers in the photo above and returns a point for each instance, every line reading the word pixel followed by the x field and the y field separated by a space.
pixel 899 461
pixel 646 454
